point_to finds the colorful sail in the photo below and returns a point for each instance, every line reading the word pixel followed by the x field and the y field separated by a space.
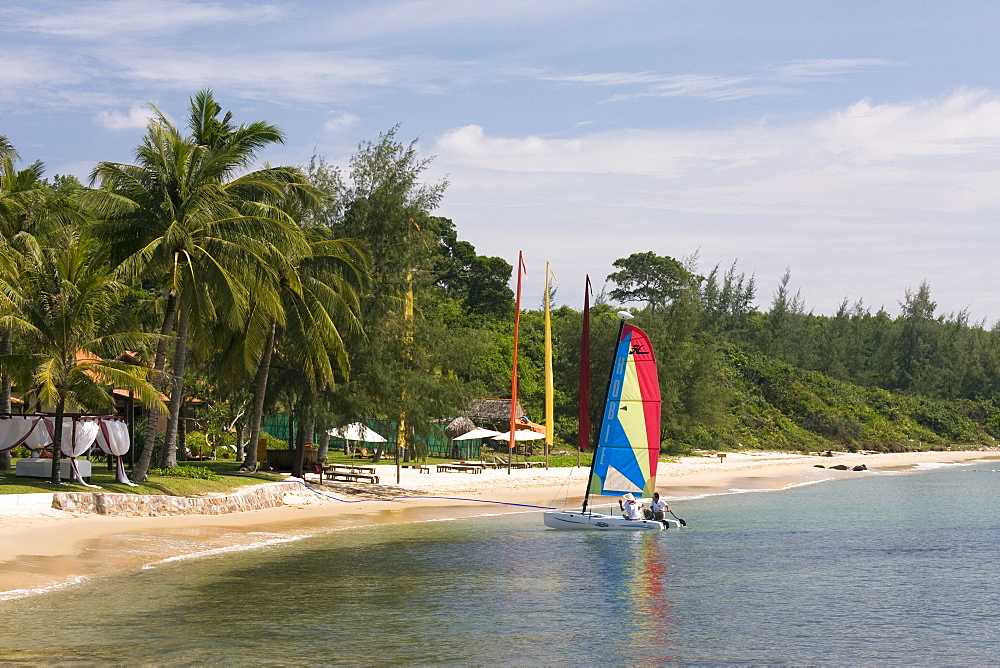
pixel 629 442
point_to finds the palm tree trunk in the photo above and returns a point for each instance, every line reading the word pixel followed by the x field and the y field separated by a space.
pixel 181 449
pixel 259 389
pixel 57 440
pixel 153 413
pixel 300 441
pixel 324 443
pixel 7 348
pixel 168 456
pixel 307 421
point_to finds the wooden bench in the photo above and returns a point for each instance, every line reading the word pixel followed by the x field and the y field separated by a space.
pixel 349 468
pixel 422 468
pixel 339 476
pixel 485 465
pixel 459 468
pixel 347 473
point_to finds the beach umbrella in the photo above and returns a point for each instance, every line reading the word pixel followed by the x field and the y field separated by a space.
pixel 478 432
pixel 520 435
pixel 357 432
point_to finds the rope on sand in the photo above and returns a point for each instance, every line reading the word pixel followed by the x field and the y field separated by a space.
pixel 415 496
pixel 458 498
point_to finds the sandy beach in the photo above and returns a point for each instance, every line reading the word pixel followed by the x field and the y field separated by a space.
pixel 42 548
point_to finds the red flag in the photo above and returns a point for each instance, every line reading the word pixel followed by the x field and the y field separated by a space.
pixel 521 271
pixel 583 435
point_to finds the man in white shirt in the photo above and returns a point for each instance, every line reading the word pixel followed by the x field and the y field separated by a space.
pixel 630 507
pixel 657 508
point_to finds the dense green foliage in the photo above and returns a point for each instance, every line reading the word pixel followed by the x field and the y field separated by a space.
pixel 198 472
pixel 732 376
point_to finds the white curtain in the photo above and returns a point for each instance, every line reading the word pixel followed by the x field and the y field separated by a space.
pixel 28 430
pixel 113 439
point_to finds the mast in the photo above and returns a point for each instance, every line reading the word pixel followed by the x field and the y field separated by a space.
pixel 513 373
pixel 549 383
pixel 623 316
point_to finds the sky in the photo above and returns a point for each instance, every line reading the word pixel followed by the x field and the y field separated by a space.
pixel 854 144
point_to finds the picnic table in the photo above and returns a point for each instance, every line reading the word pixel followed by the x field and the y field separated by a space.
pixel 349 473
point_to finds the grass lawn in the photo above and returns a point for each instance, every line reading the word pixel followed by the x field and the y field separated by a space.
pixel 217 477
pixel 227 478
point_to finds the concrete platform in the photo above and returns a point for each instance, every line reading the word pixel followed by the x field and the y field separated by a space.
pixel 42 468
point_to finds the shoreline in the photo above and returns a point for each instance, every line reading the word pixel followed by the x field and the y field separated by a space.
pixel 44 549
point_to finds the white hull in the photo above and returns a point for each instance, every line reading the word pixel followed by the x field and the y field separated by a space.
pixel 574 519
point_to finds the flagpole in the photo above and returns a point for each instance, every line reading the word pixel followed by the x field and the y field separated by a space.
pixel 583 432
pixel 513 373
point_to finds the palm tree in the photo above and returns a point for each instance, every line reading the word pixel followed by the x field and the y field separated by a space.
pixel 68 309
pixel 191 222
pixel 21 195
pixel 314 302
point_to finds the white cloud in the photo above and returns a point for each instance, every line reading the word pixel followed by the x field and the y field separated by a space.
pixel 422 16
pixel 865 141
pixel 102 20
pixel 865 201
pixel 33 78
pixel 716 86
pixel 828 67
pixel 705 86
pixel 136 117
pixel 340 123
pixel 279 76
pixel 32 66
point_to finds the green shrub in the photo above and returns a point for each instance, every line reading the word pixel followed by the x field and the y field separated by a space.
pixel 199 472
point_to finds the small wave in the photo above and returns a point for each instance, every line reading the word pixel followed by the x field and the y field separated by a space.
pixel 930 466
pixel 225 550
pixel 14 594
pixel 740 490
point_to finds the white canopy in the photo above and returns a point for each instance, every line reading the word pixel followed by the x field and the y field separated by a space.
pixel 478 432
pixel 520 435
pixel 357 432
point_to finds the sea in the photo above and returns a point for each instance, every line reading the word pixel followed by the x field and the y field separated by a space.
pixel 890 568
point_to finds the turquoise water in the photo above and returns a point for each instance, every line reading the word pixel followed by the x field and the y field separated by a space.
pixel 890 569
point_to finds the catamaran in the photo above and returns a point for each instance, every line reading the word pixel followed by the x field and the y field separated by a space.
pixel 628 443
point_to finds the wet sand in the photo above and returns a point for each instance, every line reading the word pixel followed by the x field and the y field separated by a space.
pixel 42 548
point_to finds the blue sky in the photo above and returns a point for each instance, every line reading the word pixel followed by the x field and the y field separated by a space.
pixel 855 143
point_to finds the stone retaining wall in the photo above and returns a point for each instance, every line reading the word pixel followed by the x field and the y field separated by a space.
pixel 136 505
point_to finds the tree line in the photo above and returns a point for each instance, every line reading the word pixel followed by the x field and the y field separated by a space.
pixel 734 375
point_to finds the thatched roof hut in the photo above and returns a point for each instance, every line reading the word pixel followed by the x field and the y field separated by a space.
pixel 492 410
pixel 459 426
